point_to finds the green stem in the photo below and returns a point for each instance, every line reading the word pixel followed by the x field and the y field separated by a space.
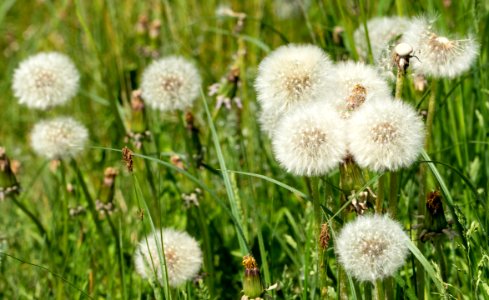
pixel 314 187
pixel 423 184
pixel 88 197
pixel 33 218
pixel 118 244
pixel 401 74
pixel 393 186
pixel 379 201
pixel 209 266
pixel 379 288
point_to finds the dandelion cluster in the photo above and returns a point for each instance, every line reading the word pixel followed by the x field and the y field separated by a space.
pixel 58 138
pixel 45 80
pixel 181 252
pixel 372 247
pixel 318 117
pixel 170 83
pixel 439 56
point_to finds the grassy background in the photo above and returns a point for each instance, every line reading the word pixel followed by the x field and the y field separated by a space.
pixel 101 38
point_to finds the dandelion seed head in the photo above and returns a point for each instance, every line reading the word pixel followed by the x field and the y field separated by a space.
pixel 439 56
pixel 291 75
pixel 59 138
pixel 170 83
pixel 385 135
pixel 45 80
pixel 309 141
pixel 355 84
pixel 384 32
pixel 287 9
pixel 181 252
pixel 372 247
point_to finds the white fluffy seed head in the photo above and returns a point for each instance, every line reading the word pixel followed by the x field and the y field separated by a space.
pixel 45 80
pixel 372 247
pixel 291 75
pixel 268 120
pixel 355 84
pixel 383 32
pixel 287 9
pixel 439 56
pixel 385 135
pixel 58 138
pixel 309 141
pixel 170 83
pixel 181 252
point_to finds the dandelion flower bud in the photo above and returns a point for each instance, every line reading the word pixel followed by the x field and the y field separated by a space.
pixel 356 83
pixel 182 255
pixel 293 74
pixel 439 56
pixel 59 138
pixel 310 140
pixel 170 83
pixel 252 287
pixel 383 33
pixel 372 247
pixel 45 80
pixel 385 135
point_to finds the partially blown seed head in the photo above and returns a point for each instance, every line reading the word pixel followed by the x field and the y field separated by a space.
pixel 45 80
pixel 170 83
pixel 58 138
pixel 372 247
pixel 310 141
pixel 385 135
pixel 181 252
pixel 439 56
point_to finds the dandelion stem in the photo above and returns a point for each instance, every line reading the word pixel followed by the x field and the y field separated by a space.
pixel 423 183
pixel 314 188
pixel 34 219
pixel 379 287
pixel 86 192
pixel 393 184
pixel 380 194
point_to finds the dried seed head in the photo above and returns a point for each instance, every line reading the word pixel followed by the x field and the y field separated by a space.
pixel 127 158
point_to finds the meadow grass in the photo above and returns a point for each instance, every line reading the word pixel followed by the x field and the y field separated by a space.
pixel 246 203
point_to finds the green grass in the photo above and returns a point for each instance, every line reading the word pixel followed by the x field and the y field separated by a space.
pixel 248 203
